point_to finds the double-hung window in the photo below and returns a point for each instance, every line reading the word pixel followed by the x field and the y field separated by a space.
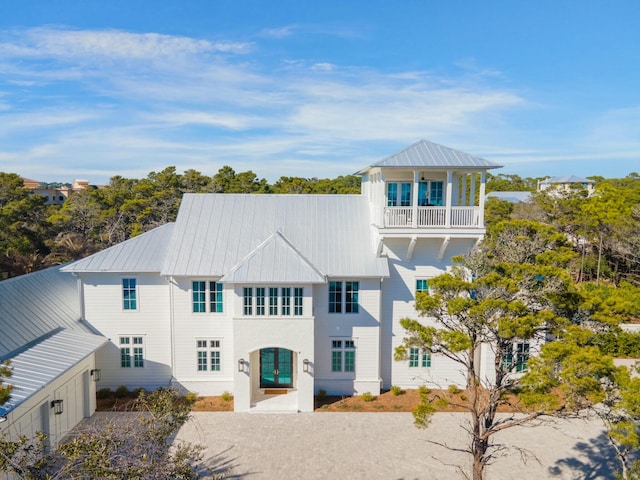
pixel 343 356
pixel 208 355
pixel 298 296
pixel 129 294
pixel 202 290
pixel 248 300
pixel 344 297
pixel 419 358
pixel 131 351
pixel 273 301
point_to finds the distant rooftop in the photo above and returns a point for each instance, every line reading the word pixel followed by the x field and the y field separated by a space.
pixel 513 197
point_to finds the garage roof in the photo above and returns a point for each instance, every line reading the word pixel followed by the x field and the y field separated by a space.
pixel 47 360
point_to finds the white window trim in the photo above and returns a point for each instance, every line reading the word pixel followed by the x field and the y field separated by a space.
pixel 208 349
pixel 137 290
pixel 131 345
pixel 342 373
pixel 343 298
pixel 279 302
pixel 207 297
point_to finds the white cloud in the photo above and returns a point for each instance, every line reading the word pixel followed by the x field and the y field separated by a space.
pixel 91 44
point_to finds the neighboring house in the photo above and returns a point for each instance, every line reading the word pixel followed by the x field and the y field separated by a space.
pixel 265 295
pixel 52 354
pixel 566 183
pixel 512 197
pixel 55 193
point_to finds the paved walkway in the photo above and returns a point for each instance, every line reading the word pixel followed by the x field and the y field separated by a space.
pixel 387 446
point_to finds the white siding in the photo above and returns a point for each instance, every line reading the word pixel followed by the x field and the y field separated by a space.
pixel 36 415
pixel 190 326
pixel 363 328
pixel 399 302
pixel 104 311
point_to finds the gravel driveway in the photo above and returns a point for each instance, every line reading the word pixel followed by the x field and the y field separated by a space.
pixel 388 446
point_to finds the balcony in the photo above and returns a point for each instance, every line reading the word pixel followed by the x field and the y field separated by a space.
pixel 402 217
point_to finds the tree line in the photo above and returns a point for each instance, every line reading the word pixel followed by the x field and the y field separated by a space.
pixel 34 235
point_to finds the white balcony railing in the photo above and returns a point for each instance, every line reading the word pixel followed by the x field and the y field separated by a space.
pixel 431 217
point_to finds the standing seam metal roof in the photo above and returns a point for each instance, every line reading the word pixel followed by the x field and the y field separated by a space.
pixel 215 232
pixel 47 360
pixel 33 305
pixel 144 253
pixel 424 154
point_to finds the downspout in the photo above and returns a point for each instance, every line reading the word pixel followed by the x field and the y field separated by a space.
pixel 172 328
pixel 380 333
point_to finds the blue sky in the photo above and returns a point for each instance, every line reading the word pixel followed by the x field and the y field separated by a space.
pixel 91 89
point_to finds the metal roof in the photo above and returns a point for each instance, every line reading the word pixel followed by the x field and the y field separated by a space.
pixel 144 253
pixel 215 232
pixel 513 197
pixel 45 361
pixel 566 179
pixel 35 304
pixel 274 261
pixel 429 155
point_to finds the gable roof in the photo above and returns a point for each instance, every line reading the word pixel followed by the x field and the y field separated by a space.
pixel 428 155
pixel 33 305
pixel 215 232
pixel 274 261
pixel 144 253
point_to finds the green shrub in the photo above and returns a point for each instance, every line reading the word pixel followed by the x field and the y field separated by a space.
pixel 122 391
pixel 453 389
pixel 104 393
pixel 226 396
pixel 191 397
pixel 423 390
pixel 322 394
pixel 368 397
pixel 396 390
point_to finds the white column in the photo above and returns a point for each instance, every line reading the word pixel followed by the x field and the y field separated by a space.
pixel 414 200
pixel 463 188
pixel 448 199
pixel 472 198
pixel 483 181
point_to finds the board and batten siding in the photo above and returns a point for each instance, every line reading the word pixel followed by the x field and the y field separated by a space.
pixel 104 311
pixel 190 327
pixel 398 301
pixel 362 327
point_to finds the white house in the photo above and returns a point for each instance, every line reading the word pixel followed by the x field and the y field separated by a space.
pixel 566 183
pixel 276 297
pixel 262 295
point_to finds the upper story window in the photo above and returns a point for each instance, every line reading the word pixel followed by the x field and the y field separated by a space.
pixel 129 294
pixel 207 290
pixel 398 194
pixel 273 301
pixel 344 297
pixel 422 285
pixel 431 193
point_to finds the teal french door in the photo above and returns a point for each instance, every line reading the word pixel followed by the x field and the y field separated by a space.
pixel 276 368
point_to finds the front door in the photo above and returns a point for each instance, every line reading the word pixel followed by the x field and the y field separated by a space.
pixel 276 368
